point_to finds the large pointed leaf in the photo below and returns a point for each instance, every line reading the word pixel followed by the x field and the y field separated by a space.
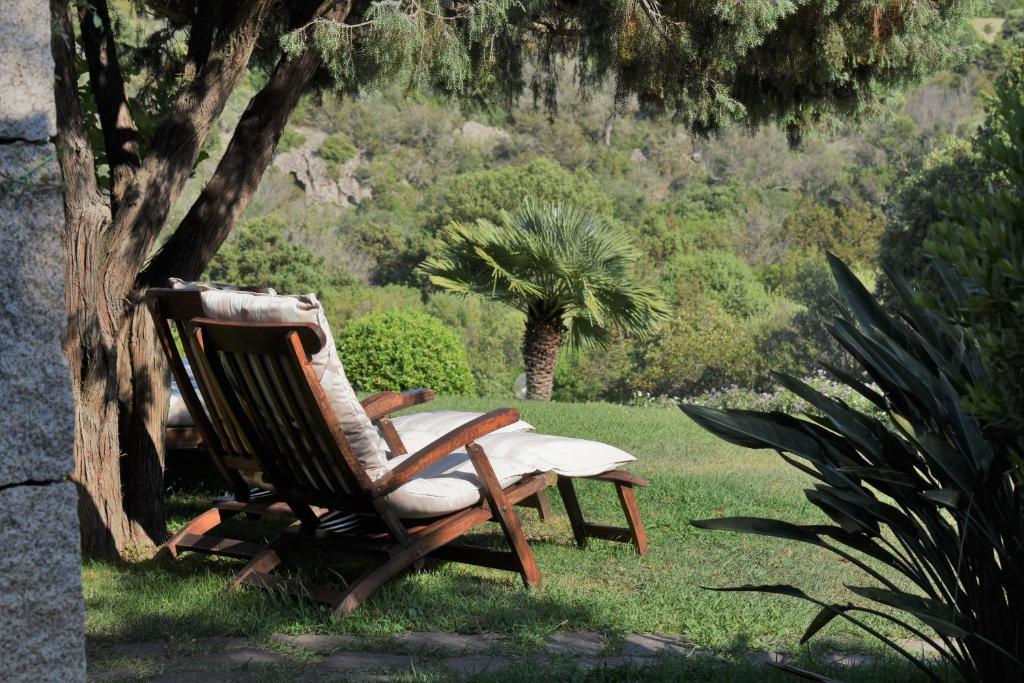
pixel 949 461
pixel 880 475
pixel 759 526
pixel 844 420
pixel 942 617
pixel 855 384
pixel 803 673
pixel 881 511
pixel 771 588
pixel 756 430
pixel 850 517
pixel 950 498
pixel 823 619
pixel 859 300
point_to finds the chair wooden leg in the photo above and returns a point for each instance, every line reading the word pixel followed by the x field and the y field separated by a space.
pixel 419 546
pixel 506 516
pixel 572 508
pixel 539 502
pixel 584 530
pixel 200 525
pixel 627 496
pixel 259 566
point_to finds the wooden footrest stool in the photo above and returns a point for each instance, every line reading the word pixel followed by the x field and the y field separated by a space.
pixel 583 530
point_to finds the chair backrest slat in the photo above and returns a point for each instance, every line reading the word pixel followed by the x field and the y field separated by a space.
pixel 327 435
pixel 266 408
pixel 302 432
pixel 171 309
pixel 265 390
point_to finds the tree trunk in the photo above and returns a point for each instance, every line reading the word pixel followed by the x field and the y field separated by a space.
pixel 144 385
pixel 109 341
pixel 541 343
pixel 90 346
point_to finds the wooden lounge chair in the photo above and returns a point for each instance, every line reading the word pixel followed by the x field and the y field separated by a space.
pixel 171 310
pixel 267 405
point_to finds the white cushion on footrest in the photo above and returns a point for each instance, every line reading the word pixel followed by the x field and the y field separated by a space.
pixel 538 452
pixel 440 422
pixel 449 485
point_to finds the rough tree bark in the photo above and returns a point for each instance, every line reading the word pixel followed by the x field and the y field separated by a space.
pixel 541 343
pixel 105 250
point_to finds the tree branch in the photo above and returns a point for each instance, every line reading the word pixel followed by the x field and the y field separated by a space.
pixel 74 153
pixel 200 38
pixel 119 132
pixel 247 157
pixel 176 145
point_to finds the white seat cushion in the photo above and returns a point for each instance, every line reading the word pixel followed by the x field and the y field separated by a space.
pixel 366 442
pixel 538 452
pixel 177 411
pixel 441 422
pixel 449 485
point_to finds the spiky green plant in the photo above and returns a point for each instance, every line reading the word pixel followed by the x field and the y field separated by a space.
pixel 568 271
pixel 927 507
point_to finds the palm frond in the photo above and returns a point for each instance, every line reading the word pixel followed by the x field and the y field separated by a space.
pixel 558 259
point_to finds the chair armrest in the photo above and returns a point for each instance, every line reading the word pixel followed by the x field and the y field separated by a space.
pixel 387 402
pixel 434 451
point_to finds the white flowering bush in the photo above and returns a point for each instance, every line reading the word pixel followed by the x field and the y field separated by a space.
pixel 777 400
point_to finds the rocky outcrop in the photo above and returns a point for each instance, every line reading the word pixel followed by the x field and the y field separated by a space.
pixel 41 613
pixel 484 136
pixel 312 173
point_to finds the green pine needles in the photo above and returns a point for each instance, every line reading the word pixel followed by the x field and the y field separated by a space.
pixel 707 64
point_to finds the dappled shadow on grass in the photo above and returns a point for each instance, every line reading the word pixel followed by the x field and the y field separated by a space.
pixel 186 599
pixel 605 587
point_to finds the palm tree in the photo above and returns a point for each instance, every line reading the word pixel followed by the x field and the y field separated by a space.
pixel 569 272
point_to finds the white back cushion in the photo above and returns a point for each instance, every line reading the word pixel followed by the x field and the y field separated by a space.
pixel 362 436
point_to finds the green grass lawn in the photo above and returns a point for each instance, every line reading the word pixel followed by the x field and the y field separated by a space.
pixel 605 587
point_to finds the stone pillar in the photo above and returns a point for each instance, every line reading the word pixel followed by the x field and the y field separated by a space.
pixel 42 619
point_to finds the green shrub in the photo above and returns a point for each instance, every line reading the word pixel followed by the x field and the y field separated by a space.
pixel 700 347
pixel 720 276
pixel 261 256
pixel 401 349
pixel 917 205
pixel 336 149
pixel 290 139
pixel 343 304
pixel 596 374
pixel 851 231
pixel 803 341
pixel 493 335
pixel 983 239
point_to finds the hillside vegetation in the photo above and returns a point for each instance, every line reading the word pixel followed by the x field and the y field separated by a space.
pixel 732 229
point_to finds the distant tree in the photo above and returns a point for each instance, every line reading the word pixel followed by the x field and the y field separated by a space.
pixel 565 269
pixel 260 255
pixel 467 197
pixel 157 89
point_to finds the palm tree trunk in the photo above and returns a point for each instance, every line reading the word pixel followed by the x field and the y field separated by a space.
pixel 541 343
